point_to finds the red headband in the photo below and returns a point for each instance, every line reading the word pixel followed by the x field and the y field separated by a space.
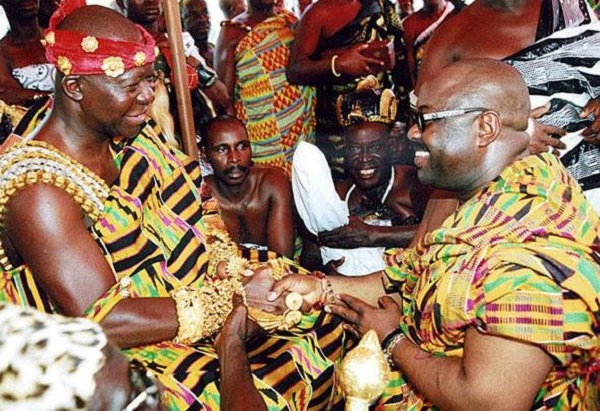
pixel 73 52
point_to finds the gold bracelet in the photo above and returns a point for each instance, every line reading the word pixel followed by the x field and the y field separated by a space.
pixel 333 71
pixel 277 268
pixel 202 312
pixel 190 314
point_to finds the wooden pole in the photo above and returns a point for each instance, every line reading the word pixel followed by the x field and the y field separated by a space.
pixel 182 93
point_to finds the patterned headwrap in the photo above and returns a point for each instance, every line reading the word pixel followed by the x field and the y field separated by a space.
pixel 47 362
pixel 74 52
pixel 369 103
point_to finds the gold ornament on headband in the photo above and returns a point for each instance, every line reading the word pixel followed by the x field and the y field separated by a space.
pixel 50 38
pixel 64 65
pixel 113 66
pixel 89 44
pixel 139 59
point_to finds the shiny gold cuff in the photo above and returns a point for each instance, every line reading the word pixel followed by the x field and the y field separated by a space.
pixel 190 315
pixel 202 312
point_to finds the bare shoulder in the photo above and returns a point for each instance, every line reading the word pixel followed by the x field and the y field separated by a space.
pixel 272 179
pixel 42 212
pixel 39 204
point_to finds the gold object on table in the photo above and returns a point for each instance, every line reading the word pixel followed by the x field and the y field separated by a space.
pixel 364 373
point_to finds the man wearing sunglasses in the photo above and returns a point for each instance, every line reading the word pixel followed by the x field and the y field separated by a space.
pixel 554 46
pixel 500 304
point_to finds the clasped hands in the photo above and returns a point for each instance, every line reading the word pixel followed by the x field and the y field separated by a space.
pixel 360 316
pixel 266 293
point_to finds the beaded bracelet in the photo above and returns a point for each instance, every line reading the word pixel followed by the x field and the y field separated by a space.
pixel 389 343
pixel 328 295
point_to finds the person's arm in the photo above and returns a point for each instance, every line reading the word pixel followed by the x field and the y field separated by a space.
pixel 409 41
pixel 312 288
pixel 224 57
pixel 280 221
pixel 359 234
pixel 75 273
pixel 11 92
pixel 489 375
pixel 237 387
pixel 439 51
pixel 305 68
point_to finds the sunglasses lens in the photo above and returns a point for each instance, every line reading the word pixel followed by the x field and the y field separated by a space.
pixel 417 119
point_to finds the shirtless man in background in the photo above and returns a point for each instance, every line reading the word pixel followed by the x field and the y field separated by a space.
pixel 254 202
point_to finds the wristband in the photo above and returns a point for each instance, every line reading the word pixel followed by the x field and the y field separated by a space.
pixel 206 76
pixel 333 71
pixel 389 343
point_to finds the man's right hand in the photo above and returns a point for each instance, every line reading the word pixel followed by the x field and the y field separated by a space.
pixel 352 62
pixel 545 138
pixel 310 287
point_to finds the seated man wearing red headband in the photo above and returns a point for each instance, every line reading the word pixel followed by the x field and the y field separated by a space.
pixel 112 229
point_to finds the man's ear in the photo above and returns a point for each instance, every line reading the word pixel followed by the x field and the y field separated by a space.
pixel 489 127
pixel 71 86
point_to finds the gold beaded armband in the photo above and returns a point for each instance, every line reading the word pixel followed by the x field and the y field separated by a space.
pixel 202 311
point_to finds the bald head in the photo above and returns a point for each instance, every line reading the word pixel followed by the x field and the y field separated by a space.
pixel 463 151
pixel 481 83
pixel 103 22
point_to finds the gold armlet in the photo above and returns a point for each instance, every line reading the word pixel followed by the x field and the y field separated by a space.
pixel 202 312
pixel 224 250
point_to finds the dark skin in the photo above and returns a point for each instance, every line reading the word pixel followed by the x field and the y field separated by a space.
pixel 196 20
pixel 232 8
pixel 147 13
pixel 415 24
pixel 237 388
pixel 368 151
pixel 255 202
pixel 470 35
pixel 232 34
pixel 87 113
pixel 21 47
pixel 488 374
pixel 305 67
pixel 368 166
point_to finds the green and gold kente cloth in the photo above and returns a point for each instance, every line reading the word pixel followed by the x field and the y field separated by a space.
pixel 277 114
pixel 519 260
pixel 151 229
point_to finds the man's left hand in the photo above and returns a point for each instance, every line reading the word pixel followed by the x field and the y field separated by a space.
pixel 362 317
pixel 591 134
pixel 355 234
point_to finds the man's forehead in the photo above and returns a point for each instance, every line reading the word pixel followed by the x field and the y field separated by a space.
pixel 227 132
pixel 368 132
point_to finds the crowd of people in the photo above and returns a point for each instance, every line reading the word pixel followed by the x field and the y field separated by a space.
pixel 429 175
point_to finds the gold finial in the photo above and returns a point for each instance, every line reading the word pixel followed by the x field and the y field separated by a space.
pixel 364 373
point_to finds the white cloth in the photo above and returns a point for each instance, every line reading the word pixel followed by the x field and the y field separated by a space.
pixel 321 209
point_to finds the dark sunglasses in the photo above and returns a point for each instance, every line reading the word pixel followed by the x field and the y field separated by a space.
pixel 421 119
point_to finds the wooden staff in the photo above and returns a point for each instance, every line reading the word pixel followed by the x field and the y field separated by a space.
pixel 182 93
